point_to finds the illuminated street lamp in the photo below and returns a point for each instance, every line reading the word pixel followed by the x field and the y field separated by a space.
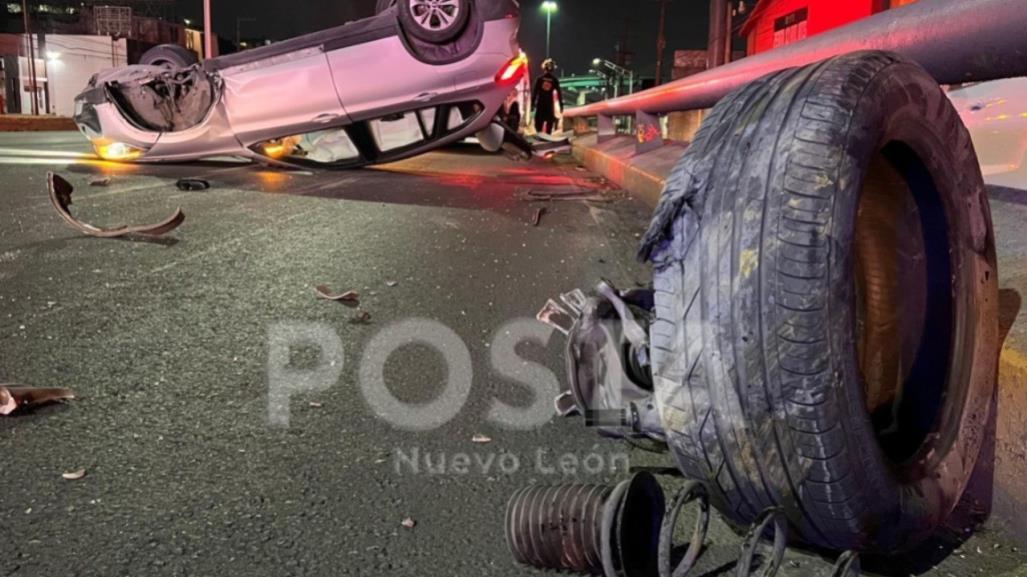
pixel 549 6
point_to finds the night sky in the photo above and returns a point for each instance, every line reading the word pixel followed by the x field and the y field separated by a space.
pixel 582 29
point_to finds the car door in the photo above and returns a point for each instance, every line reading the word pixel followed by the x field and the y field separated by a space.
pixel 283 95
pixel 380 78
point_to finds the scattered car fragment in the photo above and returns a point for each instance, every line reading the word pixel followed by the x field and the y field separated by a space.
pixel 15 397
pixel 536 218
pixel 104 181
pixel 190 184
pixel 481 439
pixel 568 194
pixel 409 523
pixel 60 197
pixel 74 475
pixel 307 101
pixel 348 298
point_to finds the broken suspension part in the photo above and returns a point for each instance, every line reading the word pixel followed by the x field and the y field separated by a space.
pixel 597 529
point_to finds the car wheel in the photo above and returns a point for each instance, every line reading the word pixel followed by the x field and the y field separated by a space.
pixel 169 56
pixel 825 336
pixel 436 21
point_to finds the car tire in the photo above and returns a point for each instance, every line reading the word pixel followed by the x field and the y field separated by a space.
pixel 434 21
pixel 825 248
pixel 169 56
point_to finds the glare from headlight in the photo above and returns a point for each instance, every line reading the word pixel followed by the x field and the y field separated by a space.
pixel 118 151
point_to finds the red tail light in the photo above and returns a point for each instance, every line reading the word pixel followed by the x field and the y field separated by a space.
pixel 514 70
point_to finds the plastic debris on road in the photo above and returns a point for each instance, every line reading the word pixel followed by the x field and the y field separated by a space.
pixel 348 298
pixel 188 184
pixel 537 217
pixel 60 197
pixel 15 397
pixel 74 475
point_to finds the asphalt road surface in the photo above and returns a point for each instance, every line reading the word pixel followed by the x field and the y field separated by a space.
pixel 166 345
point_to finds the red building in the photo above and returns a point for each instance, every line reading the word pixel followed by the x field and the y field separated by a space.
pixel 775 23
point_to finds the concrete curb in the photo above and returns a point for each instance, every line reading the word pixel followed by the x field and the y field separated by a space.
pixel 24 123
pixel 644 175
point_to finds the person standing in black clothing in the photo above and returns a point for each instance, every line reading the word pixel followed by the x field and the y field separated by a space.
pixel 543 101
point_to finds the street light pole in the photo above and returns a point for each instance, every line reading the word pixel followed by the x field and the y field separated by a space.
pixel 32 56
pixel 549 30
pixel 661 42
pixel 549 6
pixel 208 31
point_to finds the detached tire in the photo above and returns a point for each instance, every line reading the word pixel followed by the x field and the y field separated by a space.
pixel 826 334
pixel 434 21
pixel 169 56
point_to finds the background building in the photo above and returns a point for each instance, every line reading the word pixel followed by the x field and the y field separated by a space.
pixel 74 39
pixel 775 23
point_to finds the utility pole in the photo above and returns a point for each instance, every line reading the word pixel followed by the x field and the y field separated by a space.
pixel 715 55
pixel 32 56
pixel 208 32
pixel 661 42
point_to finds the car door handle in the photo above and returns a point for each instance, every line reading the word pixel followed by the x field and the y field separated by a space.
pixel 325 118
pixel 426 96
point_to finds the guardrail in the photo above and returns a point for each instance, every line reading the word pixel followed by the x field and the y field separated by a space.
pixel 954 40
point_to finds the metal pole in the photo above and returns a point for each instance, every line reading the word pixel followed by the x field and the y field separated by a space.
pixel 715 47
pixel 661 42
pixel 208 31
pixel 549 28
pixel 32 56
pixel 728 33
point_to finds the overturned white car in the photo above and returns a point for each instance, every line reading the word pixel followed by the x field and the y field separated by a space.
pixel 417 75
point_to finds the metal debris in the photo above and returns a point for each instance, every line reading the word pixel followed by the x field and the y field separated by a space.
pixel 409 523
pixel 481 439
pixel 691 492
pixel 14 397
pixel 569 194
pixel 578 528
pixel 315 405
pixel 537 217
pixel 847 565
pixel 74 475
pixel 106 181
pixel 60 198
pixel 348 298
pixel 770 552
pixel 391 283
pixel 188 184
